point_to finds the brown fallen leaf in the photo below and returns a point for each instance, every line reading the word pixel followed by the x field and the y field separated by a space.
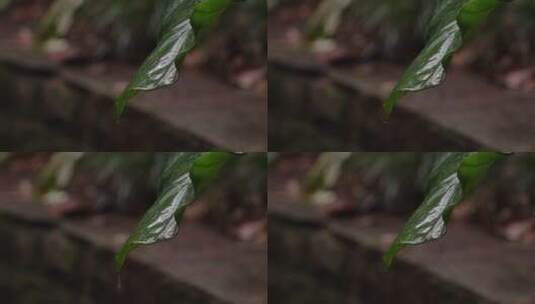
pixel 519 231
pixel 519 79
pixel 251 230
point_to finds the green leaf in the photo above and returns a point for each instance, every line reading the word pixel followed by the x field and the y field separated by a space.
pixel 207 12
pixel 325 172
pixel 182 20
pixel 184 178
pixel 57 173
pixel 326 18
pixel 58 19
pixel 4 4
pixel 453 176
pixel 4 156
pixel 452 22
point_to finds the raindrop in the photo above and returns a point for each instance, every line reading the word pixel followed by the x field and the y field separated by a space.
pixel 119 282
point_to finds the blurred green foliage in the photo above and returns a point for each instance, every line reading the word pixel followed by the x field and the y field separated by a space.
pixel 395 182
pixel 244 189
pixel 243 31
pixel 4 156
pixel 128 182
pixel 396 29
pixel 130 28
pixel 509 192
pixel 4 4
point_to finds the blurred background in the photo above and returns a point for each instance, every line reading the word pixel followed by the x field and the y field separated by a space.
pixel 64 62
pixel 352 184
pixel 333 215
pixel 63 216
pixel 85 31
pixel 340 31
pixel 333 63
pixel 72 184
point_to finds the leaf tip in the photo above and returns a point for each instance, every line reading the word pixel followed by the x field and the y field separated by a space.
pixel 387 260
pixel 119 261
pixel 387 112
pixel 388 257
pixel 120 257
pixel 390 103
pixel 122 101
pixel 120 105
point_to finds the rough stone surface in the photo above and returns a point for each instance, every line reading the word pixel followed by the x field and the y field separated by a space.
pixel 487 114
pixel 340 109
pixel 229 118
pixel 233 120
pixel 72 261
pixel 42 100
pixel 26 60
pixel 467 266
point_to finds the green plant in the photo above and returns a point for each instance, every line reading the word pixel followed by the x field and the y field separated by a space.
pixel 4 156
pixel 450 177
pixel 453 177
pixel 324 174
pixel 58 172
pixel 391 22
pixel 4 4
pixel 453 23
pixel 182 178
pixel 327 18
pixel 450 24
pixel 393 170
pixel 59 18
pixel 181 23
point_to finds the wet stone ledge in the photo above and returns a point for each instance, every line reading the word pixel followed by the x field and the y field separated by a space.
pixel 340 109
pixel 43 260
pixel 51 107
pixel 340 261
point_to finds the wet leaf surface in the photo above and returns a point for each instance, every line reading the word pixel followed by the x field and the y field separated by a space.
pixel 184 178
pixel 182 21
pixel 453 176
pixel 453 21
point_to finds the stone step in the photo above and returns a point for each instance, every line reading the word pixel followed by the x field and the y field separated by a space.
pixel 197 113
pixel 200 266
pixel 467 266
pixel 465 113
pixel 494 117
